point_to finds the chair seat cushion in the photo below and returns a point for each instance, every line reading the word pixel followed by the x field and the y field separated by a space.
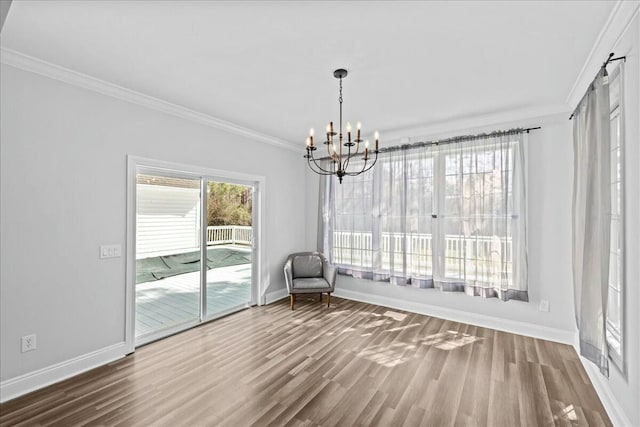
pixel 310 284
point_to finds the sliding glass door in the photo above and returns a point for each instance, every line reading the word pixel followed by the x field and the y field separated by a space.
pixel 229 247
pixel 194 251
pixel 167 253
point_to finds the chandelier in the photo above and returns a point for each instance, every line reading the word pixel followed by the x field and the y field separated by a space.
pixel 341 154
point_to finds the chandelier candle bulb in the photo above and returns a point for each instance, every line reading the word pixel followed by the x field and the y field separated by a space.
pixel 358 125
pixel 348 131
pixel 311 137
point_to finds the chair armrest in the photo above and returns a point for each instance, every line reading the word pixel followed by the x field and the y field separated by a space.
pixel 288 275
pixel 329 272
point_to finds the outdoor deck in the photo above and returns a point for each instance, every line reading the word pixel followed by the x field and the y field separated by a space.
pixel 168 302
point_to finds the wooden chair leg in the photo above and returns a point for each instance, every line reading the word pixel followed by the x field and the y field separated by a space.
pixel 328 299
pixel 292 297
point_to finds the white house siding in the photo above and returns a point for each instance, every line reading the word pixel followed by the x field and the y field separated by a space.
pixel 168 220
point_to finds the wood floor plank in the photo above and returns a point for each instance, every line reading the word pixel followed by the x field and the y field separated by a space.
pixel 349 364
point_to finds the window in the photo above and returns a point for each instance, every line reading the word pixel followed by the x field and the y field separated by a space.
pixel 615 309
pixel 477 215
pixel 449 216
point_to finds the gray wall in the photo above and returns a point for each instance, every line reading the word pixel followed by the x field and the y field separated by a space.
pixel 63 186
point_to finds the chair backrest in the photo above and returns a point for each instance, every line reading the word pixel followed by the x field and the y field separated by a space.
pixel 307 264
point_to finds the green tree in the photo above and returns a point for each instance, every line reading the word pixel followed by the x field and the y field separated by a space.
pixel 229 204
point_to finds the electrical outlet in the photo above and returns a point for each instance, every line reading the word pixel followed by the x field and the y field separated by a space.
pixel 544 305
pixel 110 251
pixel 28 343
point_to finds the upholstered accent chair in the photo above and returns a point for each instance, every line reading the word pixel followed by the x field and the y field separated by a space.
pixel 309 273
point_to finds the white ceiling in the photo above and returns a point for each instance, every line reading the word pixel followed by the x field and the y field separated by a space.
pixel 269 66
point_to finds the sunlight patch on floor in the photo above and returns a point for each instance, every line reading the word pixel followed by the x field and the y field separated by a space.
pixel 568 413
pixel 449 340
pixel 338 313
pixel 377 323
pixel 401 328
pixel 395 315
pixel 388 355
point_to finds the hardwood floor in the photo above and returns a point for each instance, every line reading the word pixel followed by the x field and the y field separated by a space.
pixel 350 364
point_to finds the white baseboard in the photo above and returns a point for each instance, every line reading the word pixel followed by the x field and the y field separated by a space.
pixel 31 381
pixel 276 295
pixel 512 326
pixel 609 401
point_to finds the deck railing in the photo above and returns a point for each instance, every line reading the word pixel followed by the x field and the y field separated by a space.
pixel 234 234
pixel 461 253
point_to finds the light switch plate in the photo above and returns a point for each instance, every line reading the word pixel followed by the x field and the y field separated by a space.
pixel 110 251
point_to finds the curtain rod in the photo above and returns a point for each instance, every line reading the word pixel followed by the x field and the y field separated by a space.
pixel 610 58
pixel 459 139
pixel 454 139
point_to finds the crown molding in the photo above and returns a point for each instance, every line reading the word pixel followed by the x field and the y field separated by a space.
pixel 35 65
pixel 617 24
pixel 524 117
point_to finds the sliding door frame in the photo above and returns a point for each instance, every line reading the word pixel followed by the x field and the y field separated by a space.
pixel 256 182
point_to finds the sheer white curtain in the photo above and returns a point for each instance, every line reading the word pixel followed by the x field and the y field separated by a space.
pixel 482 218
pixel 592 219
pixel 450 216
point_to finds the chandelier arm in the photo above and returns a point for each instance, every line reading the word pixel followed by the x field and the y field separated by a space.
pixel 357 149
pixel 365 168
pixel 356 173
pixel 371 165
pixel 319 172
pixel 346 162
pixel 310 158
pixel 354 154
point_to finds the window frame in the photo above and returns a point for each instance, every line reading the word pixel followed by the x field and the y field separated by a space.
pixel 617 357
